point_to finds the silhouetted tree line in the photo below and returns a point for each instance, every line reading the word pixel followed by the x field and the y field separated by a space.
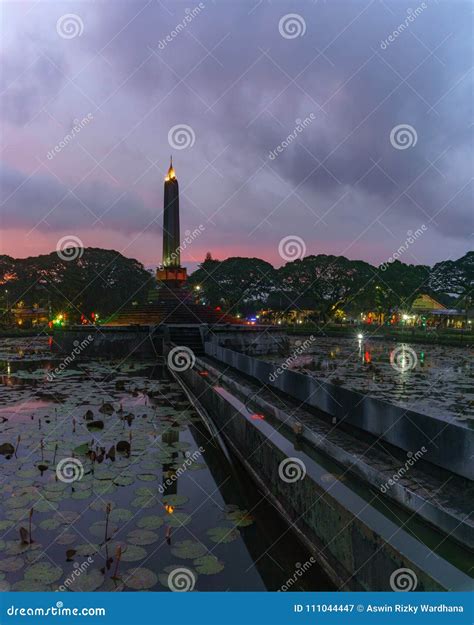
pixel 324 283
pixel 103 281
pixel 96 281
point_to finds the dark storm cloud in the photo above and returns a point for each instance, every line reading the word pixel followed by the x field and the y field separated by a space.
pixel 241 86
pixel 353 130
pixel 44 203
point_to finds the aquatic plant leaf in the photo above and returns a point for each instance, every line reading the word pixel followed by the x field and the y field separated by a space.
pixel 65 538
pixel 11 564
pixel 45 506
pixel 241 518
pixel 142 537
pixel 50 524
pixel 208 565
pixel 133 553
pixel 123 480
pixel 150 522
pixel 44 572
pixel 120 514
pixel 15 547
pixel 144 502
pixel 145 491
pixel 175 500
pixel 87 581
pixel 222 534
pixel 81 450
pixel 87 549
pixel 98 529
pixel 147 477
pixel 188 549
pixel 30 585
pixel 140 578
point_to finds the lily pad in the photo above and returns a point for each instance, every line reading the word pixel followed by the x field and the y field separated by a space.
pixel 188 549
pixel 81 450
pixel 208 565
pixel 143 502
pixel 175 500
pixel 140 578
pixel 150 522
pixel 11 564
pixel 241 518
pixel 87 549
pixel 142 537
pixel 222 534
pixel 87 582
pixel 98 529
pixel 120 514
pixel 44 572
pixel 133 553
pixel 123 480
pixel 147 477
pixel 50 524
pixel 30 585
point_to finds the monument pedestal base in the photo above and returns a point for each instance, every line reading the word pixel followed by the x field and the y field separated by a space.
pixel 172 276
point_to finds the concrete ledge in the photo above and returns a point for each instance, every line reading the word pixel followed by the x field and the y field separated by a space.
pixel 359 547
pixel 458 526
pixel 110 342
pixel 450 445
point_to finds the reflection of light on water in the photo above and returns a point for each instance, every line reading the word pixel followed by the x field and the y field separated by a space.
pixel 9 370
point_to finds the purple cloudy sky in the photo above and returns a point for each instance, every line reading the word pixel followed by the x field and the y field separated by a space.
pixel 239 75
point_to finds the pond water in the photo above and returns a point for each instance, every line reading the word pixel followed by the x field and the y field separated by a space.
pixel 435 380
pixel 110 481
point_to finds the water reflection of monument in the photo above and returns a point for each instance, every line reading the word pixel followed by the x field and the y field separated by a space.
pixel 170 478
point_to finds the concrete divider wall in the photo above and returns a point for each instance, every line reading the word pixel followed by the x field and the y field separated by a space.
pixel 111 342
pixel 449 445
pixel 358 546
